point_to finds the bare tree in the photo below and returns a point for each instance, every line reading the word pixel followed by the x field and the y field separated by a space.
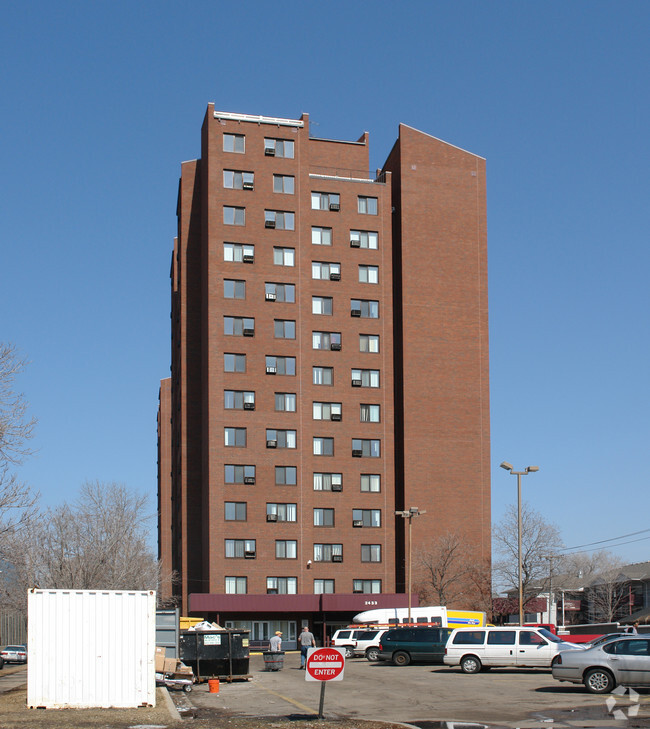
pixel 17 502
pixel 447 573
pixel 607 594
pixel 539 539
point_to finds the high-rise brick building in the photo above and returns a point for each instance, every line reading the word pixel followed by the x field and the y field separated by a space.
pixel 329 367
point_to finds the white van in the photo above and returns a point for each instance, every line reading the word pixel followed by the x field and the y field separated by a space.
pixel 472 648
pixel 347 639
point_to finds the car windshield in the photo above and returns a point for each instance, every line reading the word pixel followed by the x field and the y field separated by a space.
pixel 550 636
pixel 368 635
pixel 18 648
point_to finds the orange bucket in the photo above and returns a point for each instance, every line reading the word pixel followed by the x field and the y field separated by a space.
pixel 213 685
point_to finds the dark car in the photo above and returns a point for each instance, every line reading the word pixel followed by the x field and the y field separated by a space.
pixel 406 645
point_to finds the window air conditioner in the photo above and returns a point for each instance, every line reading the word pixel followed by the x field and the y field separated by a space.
pixel 249 406
pixel 271 443
pixel 247 185
pixel 271 370
pixel 250 480
pixel 248 259
pixel 357 523
pixel 249 332
pixel 271 517
pixel 269 151
pixel 269 223
pixel 355 312
pixel 271 296
pixel 249 555
pixel 354 243
pixel 335 207
pixel 335 346
pixel 337 487
pixel 335 276
pixel 336 416
pixel 356 383
pixel 357 453
pixel 337 558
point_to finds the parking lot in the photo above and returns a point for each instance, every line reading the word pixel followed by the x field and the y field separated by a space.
pixel 379 691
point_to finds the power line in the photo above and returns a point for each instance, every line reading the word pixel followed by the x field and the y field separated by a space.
pixel 612 539
pixel 584 551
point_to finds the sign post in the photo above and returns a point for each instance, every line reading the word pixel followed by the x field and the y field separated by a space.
pixel 324 664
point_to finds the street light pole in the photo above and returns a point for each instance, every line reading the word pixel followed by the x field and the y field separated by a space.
pixel 519 474
pixel 413 511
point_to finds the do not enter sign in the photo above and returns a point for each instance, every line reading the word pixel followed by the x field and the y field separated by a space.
pixel 325 664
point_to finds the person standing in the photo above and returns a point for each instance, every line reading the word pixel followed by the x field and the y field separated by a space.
pixel 306 640
pixel 275 644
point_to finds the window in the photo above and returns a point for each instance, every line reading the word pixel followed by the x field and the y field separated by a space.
pixel 282 512
pixel 285 402
pixel 327 411
pixel 321 305
pixel 280 365
pixel 364 308
pixel 321 236
pixel 236 180
pixel 365 378
pixel 367 205
pixel 284 256
pixel 281 585
pixel 366 517
pixel 284 183
pixel 323 587
pixel 234 289
pixel 369 413
pixel 284 329
pixel 279 220
pixel 240 548
pixel 282 438
pixel 286 549
pixel 364 239
pixel 238 326
pixel 234 216
pixel 238 252
pixel 238 400
pixel 369 343
pixel 368 586
pixel 371 482
pixel 371 552
pixel 366 448
pixel 328 482
pixel 324 517
pixel 238 474
pixel 369 274
pixel 235 437
pixel 236 585
pixel 325 552
pixel 323 375
pixel 325 271
pixel 470 637
pixel 234 362
pixel 325 201
pixel 501 637
pixel 279 148
pixel 286 475
pixel 234 143
pixel 323 446
pixel 280 292
pixel 326 340
pixel 235 511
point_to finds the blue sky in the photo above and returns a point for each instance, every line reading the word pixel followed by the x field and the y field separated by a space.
pixel 102 101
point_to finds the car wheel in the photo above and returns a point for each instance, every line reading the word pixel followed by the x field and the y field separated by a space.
pixel 187 688
pixel 349 651
pixel 470 664
pixel 372 654
pixel 401 659
pixel 599 681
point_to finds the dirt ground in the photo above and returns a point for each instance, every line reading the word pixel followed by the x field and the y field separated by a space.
pixel 14 714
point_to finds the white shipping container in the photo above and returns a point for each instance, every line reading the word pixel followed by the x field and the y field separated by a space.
pixel 91 648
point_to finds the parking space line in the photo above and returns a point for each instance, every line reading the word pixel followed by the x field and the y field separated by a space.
pixel 297 704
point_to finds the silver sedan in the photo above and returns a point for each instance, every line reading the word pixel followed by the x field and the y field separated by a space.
pixel 624 662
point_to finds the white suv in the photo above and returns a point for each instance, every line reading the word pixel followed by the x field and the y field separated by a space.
pixel 346 639
pixel 368 644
